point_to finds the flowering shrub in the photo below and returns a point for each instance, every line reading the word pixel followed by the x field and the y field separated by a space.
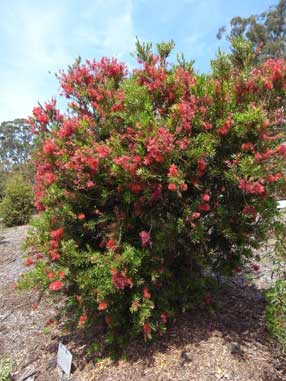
pixel 152 177
pixel 16 206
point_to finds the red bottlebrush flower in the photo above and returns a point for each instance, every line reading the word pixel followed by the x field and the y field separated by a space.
pixel 268 84
pixel 204 207
pixel 206 197
pixel 92 163
pixel 62 274
pixel 56 285
pixel 249 210
pixel 147 328
pixel 252 187
pixel 196 215
pixel 281 150
pixel 145 238
pixel 207 126
pixel 39 255
pixel 57 234
pixel 49 178
pixel 51 275
pixel 201 167
pixel 40 115
pixel 120 280
pixel 184 187
pixel 172 187
pixel 102 306
pixel 273 178
pixel 255 267
pixel 146 293
pixel 135 188
pixel 103 151
pixel 157 192
pixel 101 244
pixel 49 147
pixel 173 171
pixel 54 244
pixel 67 129
pixel 111 244
pixel 82 320
pixel 29 261
pixel 164 317
pixel 35 306
pixel 225 128
pixel 40 207
pixel 90 184
pixel 49 322
pixel 81 216
pixel 54 255
pixel 247 147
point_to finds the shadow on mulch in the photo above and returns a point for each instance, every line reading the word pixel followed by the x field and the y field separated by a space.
pixel 237 317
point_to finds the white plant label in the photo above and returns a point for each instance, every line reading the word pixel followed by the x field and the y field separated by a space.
pixel 64 359
pixel 282 204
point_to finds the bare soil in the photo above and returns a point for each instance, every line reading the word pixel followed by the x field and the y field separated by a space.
pixel 227 341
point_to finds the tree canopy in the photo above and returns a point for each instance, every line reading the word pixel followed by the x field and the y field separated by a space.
pixel 267 31
pixel 15 143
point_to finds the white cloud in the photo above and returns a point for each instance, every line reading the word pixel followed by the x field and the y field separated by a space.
pixel 108 27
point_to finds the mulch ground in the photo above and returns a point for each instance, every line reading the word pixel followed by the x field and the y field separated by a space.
pixel 226 342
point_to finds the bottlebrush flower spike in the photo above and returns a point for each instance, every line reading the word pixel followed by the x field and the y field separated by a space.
pixel 56 285
pixel 120 280
pixel 145 238
pixel 57 234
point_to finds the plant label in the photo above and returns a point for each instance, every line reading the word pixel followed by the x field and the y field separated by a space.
pixel 64 359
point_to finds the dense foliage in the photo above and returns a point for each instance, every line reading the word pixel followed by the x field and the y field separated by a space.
pixel 152 179
pixel 267 31
pixel 16 206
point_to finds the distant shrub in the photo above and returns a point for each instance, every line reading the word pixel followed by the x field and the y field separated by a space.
pixel 3 179
pixel 276 296
pixel 16 206
pixel 152 179
pixel 276 311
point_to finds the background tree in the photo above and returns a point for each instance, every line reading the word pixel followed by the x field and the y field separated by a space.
pixel 15 148
pixel 16 143
pixel 267 31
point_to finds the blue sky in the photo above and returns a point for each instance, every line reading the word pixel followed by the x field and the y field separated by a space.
pixel 38 38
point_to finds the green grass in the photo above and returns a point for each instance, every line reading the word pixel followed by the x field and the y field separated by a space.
pixel 6 366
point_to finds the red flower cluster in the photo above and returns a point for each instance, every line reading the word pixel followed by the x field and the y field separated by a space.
pixel 252 187
pixel 57 234
pixel 120 280
pixel 56 285
pixel 145 238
